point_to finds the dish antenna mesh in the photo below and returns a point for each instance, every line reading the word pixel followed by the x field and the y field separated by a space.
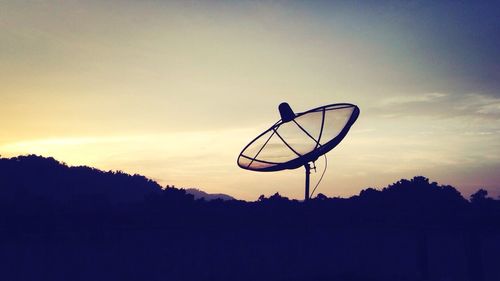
pixel 298 139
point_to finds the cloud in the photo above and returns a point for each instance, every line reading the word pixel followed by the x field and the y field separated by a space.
pixel 411 99
pixel 439 106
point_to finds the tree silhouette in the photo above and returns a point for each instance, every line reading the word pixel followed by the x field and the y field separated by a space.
pixel 479 196
pixel 60 222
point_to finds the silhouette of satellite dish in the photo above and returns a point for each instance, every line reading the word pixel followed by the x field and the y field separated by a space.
pixel 299 139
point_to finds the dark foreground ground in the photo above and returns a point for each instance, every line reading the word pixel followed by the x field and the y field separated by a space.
pixel 79 223
pixel 347 253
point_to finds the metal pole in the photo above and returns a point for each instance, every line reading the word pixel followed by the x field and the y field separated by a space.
pixel 308 172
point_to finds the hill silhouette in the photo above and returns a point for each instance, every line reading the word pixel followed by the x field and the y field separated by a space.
pixel 49 179
pixel 198 194
pixel 80 223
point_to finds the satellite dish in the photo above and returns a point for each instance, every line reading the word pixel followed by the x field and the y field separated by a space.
pixel 299 139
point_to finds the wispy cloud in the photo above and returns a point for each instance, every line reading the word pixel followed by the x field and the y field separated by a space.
pixel 438 105
pixel 408 99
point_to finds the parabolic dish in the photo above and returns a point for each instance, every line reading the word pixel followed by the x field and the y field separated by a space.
pixel 292 144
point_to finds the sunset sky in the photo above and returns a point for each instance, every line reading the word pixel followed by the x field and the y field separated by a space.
pixel 174 90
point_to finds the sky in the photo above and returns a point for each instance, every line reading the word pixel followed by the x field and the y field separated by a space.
pixel 173 90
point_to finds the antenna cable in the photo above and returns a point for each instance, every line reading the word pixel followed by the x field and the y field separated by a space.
pixel 322 174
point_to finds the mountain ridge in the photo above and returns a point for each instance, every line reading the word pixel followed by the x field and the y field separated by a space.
pixel 199 194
